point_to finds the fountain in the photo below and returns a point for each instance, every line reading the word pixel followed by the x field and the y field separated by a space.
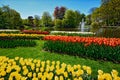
pixel 82 25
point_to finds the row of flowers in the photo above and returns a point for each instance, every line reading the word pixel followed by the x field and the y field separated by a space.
pixel 34 32
pixel 9 31
pixel 73 33
pixel 32 69
pixel 19 36
pixel 87 40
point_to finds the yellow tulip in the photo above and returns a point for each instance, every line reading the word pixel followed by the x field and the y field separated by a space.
pixel 23 78
pixel 52 68
pixel 84 67
pixel 35 61
pixel 37 69
pixel 80 78
pixel 56 78
pixel 39 75
pixel 48 62
pixel 2 79
pixel 41 69
pixel 50 76
pixel 114 73
pixel 53 62
pixel 100 72
pixel 29 74
pixel 34 78
pixel 61 78
pixel 34 74
pixel 3 73
pixel 38 65
pixel 16 58
pixel 65 74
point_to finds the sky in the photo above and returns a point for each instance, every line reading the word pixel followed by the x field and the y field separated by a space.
pixel 37 7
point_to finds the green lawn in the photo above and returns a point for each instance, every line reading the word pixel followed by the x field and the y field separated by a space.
pixel 38 53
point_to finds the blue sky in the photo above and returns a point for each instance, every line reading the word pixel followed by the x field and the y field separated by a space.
pixel 37 7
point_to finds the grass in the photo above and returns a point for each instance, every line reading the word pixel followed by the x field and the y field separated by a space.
pixel 38 53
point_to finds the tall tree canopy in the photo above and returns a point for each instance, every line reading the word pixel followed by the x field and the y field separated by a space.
pixel 59 12
pixel 108 13
pixel 69 19
pixel 9 18
pixel 46 19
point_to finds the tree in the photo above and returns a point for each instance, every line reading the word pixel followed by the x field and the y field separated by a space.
pixel 37 20
pixel 108 13
pixel 30 21
pixel 59 12
pixel 58 23
pixel 10 18
pixel 92 10
pixel 104 1
pixel 46 19
pixel 78 17
pixel 88 19
pixel 96 15
pixel 69 19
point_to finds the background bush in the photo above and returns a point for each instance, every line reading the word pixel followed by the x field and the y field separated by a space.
pixel 112 32
pixel 95 26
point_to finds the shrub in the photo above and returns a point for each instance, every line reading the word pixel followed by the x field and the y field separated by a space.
pixel 16 43
pixel 111 32
pixel 58 23
pixel 95 48
pixel 95 26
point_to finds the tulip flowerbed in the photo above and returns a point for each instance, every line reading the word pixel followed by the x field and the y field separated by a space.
pixel 91 47
pixel 9 31
pixel 32 69
pixel 35 32
pixel 67 33
pixel 16 43
pixel 20 36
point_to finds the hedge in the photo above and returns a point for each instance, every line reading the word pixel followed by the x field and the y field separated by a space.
pixel 16 43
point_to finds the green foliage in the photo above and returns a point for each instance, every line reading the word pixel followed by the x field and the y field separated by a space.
pixel 95 26
pixel 78 18
pixel 9 18
pixel 46 19
pixel 58 23
pixel 108 13
pixel 79 49
pixel 16 43
pixel 109 32
pixel 88 19
pixel 30 21
pixel 69 19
